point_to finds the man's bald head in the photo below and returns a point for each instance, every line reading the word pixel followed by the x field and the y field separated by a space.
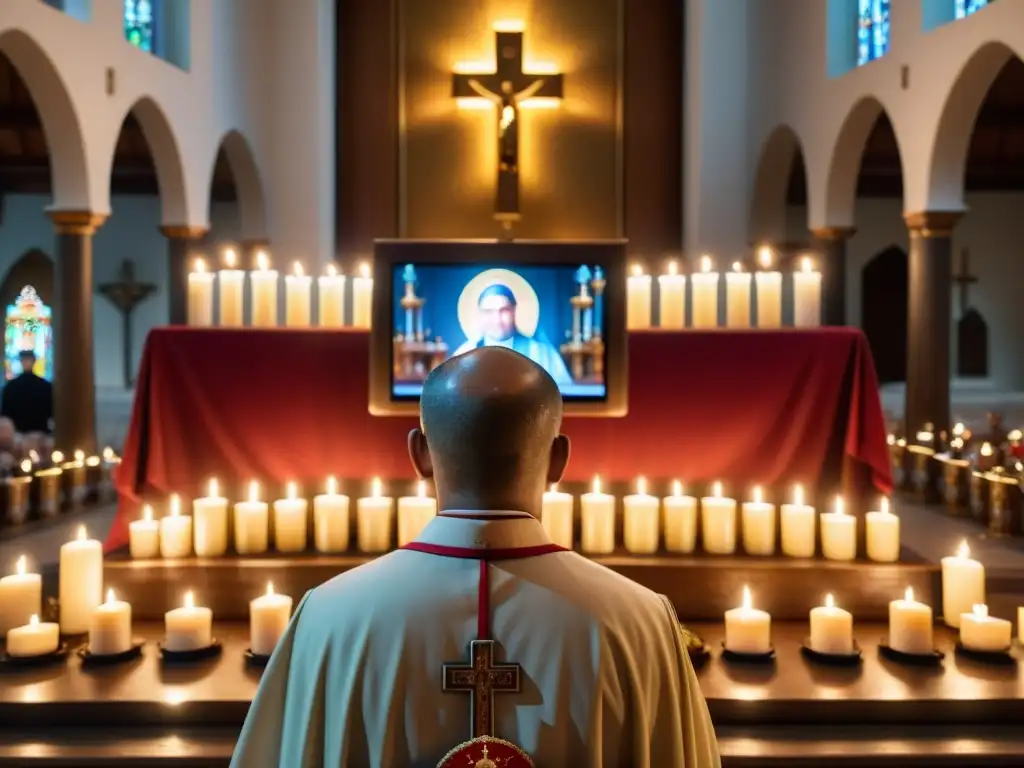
pixel 490 419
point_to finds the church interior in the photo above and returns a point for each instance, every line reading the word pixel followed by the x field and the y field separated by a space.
pixel 229 233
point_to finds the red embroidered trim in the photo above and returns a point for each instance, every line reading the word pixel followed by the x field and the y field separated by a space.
pixel 471 553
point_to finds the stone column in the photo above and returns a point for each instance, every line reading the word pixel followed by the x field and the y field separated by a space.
pixel 74 383
pixel 831 243
pixel 181 240
pixel 929 317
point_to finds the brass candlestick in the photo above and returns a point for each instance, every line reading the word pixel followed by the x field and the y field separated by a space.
pixel 73 476
pixel 15 499
pixel 45 492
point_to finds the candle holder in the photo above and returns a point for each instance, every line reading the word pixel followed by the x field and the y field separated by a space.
pixel 45 492
pixel 980 496
pixel 733 657
pixel 90 659
pixel 897 447
pixel 27 662
pixel 211 651
pixel 14 499
pixel 832 659
pixel 910 659
pixel 956 484
pixel 1001 658
pixel 255 660
pixel 93 479
pixel 923 473
pixel 73 482
pixel 1006 504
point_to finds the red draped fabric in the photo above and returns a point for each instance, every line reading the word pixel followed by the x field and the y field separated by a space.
pixel 278 405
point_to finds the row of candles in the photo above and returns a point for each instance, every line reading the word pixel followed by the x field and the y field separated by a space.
pixel 647 520
pixel 190 627
pixel 740 288
pixel 40 487
pixel 264 288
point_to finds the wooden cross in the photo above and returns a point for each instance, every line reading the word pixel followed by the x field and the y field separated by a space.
pixel 507 88
pixel 126 293
pixel 964 278
pixel 481 678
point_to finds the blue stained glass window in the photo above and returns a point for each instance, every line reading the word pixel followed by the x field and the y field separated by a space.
pixel 965 8
pixel 872 30
pixel 140 24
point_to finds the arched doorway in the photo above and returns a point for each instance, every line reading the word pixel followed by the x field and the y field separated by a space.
pixel 780 182
pixel 237 204
pixel 883 309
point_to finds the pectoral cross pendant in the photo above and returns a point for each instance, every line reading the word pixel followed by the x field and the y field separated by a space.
pixel 482 678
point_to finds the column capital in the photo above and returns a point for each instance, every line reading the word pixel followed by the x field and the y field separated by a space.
pixel 183 231
pixel 932 223
pixel 76 222
pixel 833 233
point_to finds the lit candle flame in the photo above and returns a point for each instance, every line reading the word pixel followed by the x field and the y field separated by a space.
pixel 597 484
pixel 885 506
pixel 986 449
pixel 262 261
pixel 840 506
pixel 364 270
pixel 33 620
pixel 957 443
pixel 637 270
pixel 147 513
pixel 963 550
pixel 705 264
pixel 677 488
pixel 57 457
pixel 270 588
pixel 292 492
pixel 737 267
pixel 764 256
pixel 716 490
pixel 890 439
pixel 798 495
pixel 230 258
pixel 254 491
pixel 297 269
pixel 79 456
pixel 641 486
pixel 175 505
pixel 110 596
pixel 190 600
pixel 26 466
pixel 421 489
pixel 33 456
pixel 376 488
pixel 980 611
pixel 908 596
pixel 21 566
pixel 958 429
pixel 748 601
pixel 81 534
pixel 213 491
pixel 673 268
pixel 332 271
pixel 553 488
pixel 332 486
pixel 757 494
pixel 830 601
pixel 108 454
pixel 806 266
pixel 200 267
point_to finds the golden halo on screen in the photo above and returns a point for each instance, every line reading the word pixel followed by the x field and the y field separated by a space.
pixel 527 306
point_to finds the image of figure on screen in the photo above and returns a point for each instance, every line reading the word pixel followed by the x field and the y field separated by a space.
pixel 552 314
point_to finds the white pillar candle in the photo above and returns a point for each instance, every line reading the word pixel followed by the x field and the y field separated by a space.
pixel 981 632
pixel 144 536
pixel 679 514
pixel 758 525
pixel 252 523
pixel 175 531
pixel 81 582
pixel 210 523
pixel 718 522
pixel 704 286
pixel 910 625
pixel 806 296
pixel 290 524
pixel 556 516
pixel 737 297
pixel 268 619
pixel 110 628
pixel 414 512
pixel 638 300
pixel 34 639
pixel 331 288
pixel 231 287
pixel 200 295
pixel 641 523
pixel 298 288
pixel 768 285
pixel 21 597
pixel 831 629
pixel 963 585
pixel 263 287
pixel 671 299
pixel 189 628
pixel 838 534
pixel 748 630
pixel 597 521
pixel 331 519
pixel 362 297
pixel 798 526
pixel 1020 625
pixel 883 535
pixel 374 515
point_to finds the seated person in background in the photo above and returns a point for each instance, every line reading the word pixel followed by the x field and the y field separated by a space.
pixel 27 399
pixel 604 680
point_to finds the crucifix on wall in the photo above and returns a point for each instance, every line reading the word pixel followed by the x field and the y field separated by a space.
pixel 971 328
pixel 507 87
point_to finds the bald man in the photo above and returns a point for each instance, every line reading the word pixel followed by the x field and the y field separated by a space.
pixel 592 668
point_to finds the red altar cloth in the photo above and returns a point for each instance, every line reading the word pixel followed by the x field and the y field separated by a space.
pixel 279 405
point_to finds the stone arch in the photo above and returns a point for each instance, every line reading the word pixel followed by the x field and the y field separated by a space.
pixel 948 161
pixel 847 153
pixel 35 268
pixel 167 158
pixel 64 138
pixel 252 211
pixel 779 152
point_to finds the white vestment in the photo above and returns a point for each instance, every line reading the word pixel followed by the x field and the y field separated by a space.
pixel 356 679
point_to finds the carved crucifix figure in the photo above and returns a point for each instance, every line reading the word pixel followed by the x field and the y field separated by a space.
pixel 507 88
pixel 126 293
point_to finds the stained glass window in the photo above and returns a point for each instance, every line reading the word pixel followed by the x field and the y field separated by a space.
pixel 140 23
pixel 965 8
pixel 27 326
pixel 872 30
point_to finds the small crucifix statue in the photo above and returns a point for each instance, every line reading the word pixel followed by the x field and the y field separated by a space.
pixel 507 88
pixel 126 293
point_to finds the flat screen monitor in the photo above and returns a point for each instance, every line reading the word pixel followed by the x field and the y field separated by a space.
pixel 561 304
